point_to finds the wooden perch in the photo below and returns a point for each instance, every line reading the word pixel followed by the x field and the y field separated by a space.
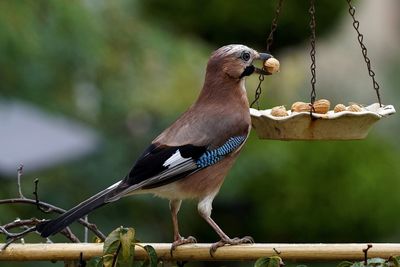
pixel 200 252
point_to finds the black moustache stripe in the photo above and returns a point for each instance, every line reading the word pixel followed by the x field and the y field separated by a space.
pixel 247 71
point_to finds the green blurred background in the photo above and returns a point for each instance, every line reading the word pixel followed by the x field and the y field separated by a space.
pixel 127 69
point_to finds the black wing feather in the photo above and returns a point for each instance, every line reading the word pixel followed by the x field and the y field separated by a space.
pixel 150 170
pixel 151 162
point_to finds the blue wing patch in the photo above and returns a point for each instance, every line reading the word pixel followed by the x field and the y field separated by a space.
pixel 211 157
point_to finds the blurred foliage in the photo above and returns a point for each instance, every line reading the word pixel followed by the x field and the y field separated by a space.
pixel 273 261
pixel 276 261
pixel 220 22
pixel 125 68
pixel 374 262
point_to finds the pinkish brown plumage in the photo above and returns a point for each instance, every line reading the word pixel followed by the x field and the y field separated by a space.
pixel 191 158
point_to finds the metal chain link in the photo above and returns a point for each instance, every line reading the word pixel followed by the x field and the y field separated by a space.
pixel 360 37
pixel 258 92
pixel 274 25
pixel 270 40
pixel 313 25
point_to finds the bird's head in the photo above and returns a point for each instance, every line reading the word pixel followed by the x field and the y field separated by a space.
pixel 236 61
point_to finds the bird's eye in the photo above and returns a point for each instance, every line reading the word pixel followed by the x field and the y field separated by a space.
pixel 245 56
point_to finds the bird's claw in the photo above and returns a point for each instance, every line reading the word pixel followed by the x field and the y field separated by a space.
pixel 230 241
pixel 182 241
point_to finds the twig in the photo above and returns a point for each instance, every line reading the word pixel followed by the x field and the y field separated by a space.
pixel 82 262
pixel 18 223
pixel 30 225
pixel 92 227
pixel 277 251
pixel 16 235
pixel 365 250
pixel 19 176
pixel 86 234
pixel 12 237
pixel 116 255
pixel 36 194
pixel 70 235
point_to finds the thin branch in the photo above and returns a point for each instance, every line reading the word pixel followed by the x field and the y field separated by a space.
pixel 70 235
pixel 29 226
pixel 12 237
pixel 365 250
pixel 36 194
pixel 19 223
pixel 81 262
pixel 24 224
pixel 20 171
pixel 31 201
pixel 116 255
pixel 86 234
pixel 92 227
pixel 16 235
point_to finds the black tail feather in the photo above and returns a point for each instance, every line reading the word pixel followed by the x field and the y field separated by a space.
pixel 51 227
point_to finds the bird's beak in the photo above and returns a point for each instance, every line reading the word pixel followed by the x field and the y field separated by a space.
pixel 263 57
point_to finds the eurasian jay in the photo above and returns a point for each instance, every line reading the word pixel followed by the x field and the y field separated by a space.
pixel 190 159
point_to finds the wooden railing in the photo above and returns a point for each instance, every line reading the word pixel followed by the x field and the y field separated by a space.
pixel 200 252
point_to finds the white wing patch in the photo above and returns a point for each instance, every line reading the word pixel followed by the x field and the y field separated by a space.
pixel 114 185
pixel 174 160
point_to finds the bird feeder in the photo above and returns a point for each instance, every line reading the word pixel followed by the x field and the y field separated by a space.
pixel 314 120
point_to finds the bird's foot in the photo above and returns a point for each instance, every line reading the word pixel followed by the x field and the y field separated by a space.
pixel 230 241
pixel 181 241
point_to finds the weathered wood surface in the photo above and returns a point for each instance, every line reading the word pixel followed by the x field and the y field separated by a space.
pixel 200 252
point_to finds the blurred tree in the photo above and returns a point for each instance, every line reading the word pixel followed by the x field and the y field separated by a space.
pixel 222 22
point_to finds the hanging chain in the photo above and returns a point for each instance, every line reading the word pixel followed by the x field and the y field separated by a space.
pixel 274 25
pixel 312 52
pixel 360 37
pixel 258 91
pixel 270 40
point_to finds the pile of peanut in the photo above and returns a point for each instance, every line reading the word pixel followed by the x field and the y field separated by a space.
pixel 320 106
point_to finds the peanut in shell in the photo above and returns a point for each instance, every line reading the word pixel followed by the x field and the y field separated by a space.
pixel 339 108
pixel 279 111
pixel 272 65
pixel 301 106
pixel 354 108
pixel 321 106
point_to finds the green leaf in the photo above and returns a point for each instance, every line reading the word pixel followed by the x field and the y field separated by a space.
pixel 119 243
pixel 396 261
pixel 373 262
pixel 127 238
pixel 376 262
pixel 152 260
pixel 95 262
pixel 345 264
pixel 112 242
pixel 273 261
pixel 108 260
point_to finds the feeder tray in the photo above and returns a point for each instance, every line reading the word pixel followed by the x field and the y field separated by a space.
pixel 316 122
pixel 343 125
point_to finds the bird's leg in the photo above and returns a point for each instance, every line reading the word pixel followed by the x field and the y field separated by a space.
pixel 204 208
pixel 174 206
